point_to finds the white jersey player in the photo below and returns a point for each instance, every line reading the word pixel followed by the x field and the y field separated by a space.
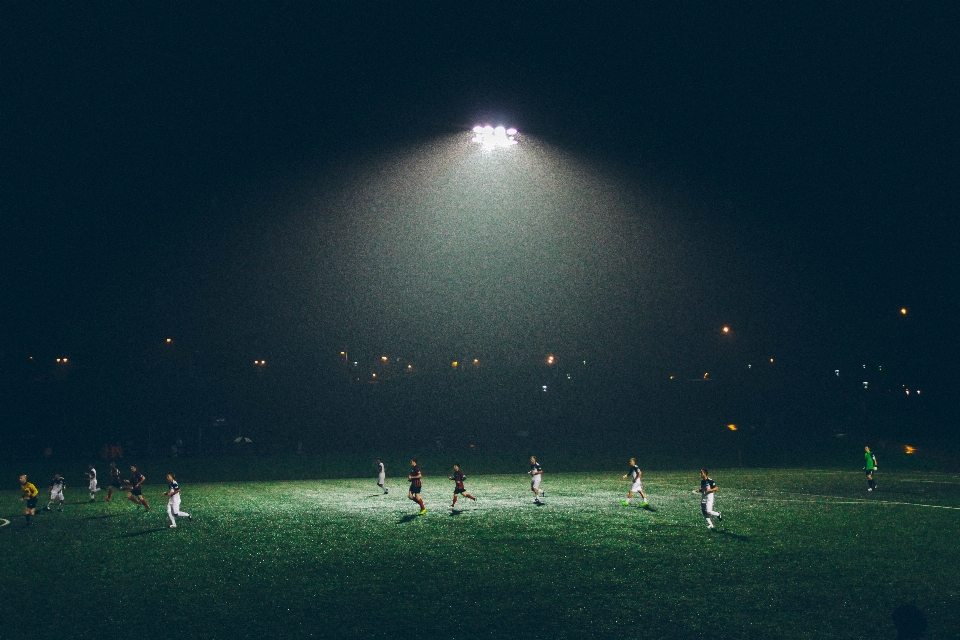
pixel 707 491
pixel 56 492
pixel 536 471
pixel 635 475
pixel 92 475
pixel 173 502
pixel 382 477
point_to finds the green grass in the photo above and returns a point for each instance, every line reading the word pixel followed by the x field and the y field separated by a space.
pixel 800 554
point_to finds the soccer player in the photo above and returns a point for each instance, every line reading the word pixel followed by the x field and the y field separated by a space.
pixel 381 477
pixel 136 488
pixel 870 465
pixel 173 502
pixel 458 477
pixel 634 474
pixel 92 475
pixel 415 485
pixel 707 491
pixel 29 496
pixel 114 481
pixel 56 492
pixel 537 472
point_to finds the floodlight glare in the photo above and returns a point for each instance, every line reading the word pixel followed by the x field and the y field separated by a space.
pixel 491 138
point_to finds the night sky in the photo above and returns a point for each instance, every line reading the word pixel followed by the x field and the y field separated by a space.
pixel 297 179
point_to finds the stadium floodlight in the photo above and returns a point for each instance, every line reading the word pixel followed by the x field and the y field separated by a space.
pixel 494 137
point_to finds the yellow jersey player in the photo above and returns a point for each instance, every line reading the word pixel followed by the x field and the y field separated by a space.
pixel 29 496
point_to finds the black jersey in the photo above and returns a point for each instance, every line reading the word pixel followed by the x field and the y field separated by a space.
pixel 174 487
pixel 459 477
pixel 705 485
pixel 535 469
pixel 57 484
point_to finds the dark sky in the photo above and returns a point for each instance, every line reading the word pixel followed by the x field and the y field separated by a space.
pixel 287 178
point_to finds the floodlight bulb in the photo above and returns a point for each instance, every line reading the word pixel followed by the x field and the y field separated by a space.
pixel 511 131
pixel 477 129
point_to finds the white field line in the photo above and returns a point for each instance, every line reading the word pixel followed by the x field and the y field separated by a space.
pixel 842 500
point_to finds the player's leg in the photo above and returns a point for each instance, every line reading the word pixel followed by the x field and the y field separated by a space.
pixel 467 495
pixel 455 494
pixel 109 494
pixel 170 509
pixel 176 508
pixel 144 502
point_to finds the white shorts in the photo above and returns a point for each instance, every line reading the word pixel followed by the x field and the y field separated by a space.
pixel 637 486
pixel 56 495
pixel 535 482
pixel 93 485
pixel 381 479
pixel 173 503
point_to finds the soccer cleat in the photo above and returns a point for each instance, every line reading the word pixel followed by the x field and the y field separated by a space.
pixel 870 489
pixel 422 511
pixel 386 491
pixel 46 508
pixel 644 504
pixel 190 518
pixel 173 526
pixel 711 527
pixel 624 502
pixel 719 517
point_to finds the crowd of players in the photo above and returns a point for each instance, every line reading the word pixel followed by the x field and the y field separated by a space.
pixel 134 488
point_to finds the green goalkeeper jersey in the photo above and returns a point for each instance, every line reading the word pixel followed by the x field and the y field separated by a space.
pixel 870 460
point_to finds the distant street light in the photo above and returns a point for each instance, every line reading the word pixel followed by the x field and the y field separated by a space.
pixel 726 329
pixel 494 137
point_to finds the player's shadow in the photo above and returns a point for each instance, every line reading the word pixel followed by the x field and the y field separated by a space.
pixel 410 517
pixel 376 495
pixel 135 534
pixel 455 512
pixel 103 517
pixel 730 534
pixel 649 508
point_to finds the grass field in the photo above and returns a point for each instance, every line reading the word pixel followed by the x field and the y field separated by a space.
pixel 800 554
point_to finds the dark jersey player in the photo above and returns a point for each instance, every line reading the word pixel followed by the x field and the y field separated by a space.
pixel 115 483
pixel 136 488
pixel 458 477
pixel 415 485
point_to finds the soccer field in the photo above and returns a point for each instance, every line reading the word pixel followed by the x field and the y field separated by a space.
pixel 800 554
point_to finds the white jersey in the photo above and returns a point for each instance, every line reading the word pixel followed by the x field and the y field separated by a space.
pixel 381 473
pixel 92 474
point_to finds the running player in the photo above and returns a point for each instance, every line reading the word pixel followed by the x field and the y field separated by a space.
pixel 381 477
pixel 92 476
pixel 136 488
pixel 56 492
pixel 707 491
pixel 870 465
pixel 173 502
pixel 115 483
pixel 634 474
pixel 537 472
pixel 415 478
pixel 29 496
pixel 458 477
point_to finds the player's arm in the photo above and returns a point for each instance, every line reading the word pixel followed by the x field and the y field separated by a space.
pixel 143 479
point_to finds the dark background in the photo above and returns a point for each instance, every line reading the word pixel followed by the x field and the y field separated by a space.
pixel 205 174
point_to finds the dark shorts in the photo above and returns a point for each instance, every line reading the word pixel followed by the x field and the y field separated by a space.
pixel 136 491
pixel 459 490
pixel 869 472
pixel 115 483
pixel 414 490
pixel 32 502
